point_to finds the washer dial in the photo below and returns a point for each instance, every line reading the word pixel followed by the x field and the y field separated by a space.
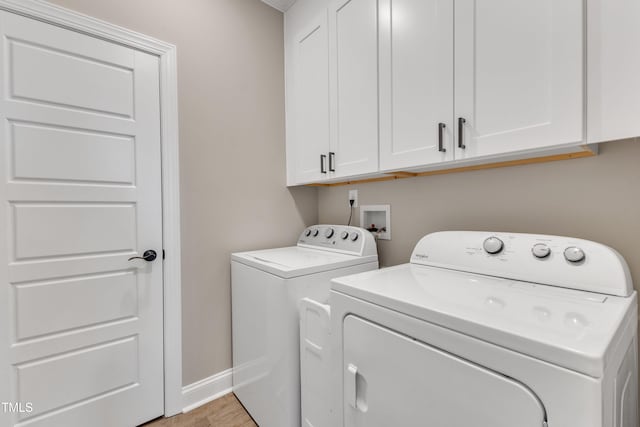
pixel 574 254
pixel 540 250
pixel 329 233
pixel 493 245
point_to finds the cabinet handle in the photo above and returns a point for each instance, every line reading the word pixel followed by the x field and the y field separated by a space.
pixel 323 159
pixel 441 127
pixel 461 122
pixel 332 158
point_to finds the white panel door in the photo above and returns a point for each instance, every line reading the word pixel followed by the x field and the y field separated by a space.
pixel 519 75
pixel 81 326
pixel 353 59
pixel 416 82
pixel 392 380
pixel 311 102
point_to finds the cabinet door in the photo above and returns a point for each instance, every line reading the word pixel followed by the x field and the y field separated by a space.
pixel 613 70
pixel 416 82
pixel 310 112
pixel 393 380
pixel 519 75
pixel 353 53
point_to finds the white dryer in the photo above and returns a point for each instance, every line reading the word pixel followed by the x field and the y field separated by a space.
pixel 488 329
pixel 267 287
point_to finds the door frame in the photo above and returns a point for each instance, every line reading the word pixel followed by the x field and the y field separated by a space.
pixel 166 52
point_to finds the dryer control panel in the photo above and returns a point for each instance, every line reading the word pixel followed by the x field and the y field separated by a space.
pixel 550 260
pixel 339 238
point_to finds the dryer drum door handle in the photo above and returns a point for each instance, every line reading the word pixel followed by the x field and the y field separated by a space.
pixel 355 389
pixel 350 386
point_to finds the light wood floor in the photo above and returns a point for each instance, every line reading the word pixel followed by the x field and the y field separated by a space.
pixel 224 412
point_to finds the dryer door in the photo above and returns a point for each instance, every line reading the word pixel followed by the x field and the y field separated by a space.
pixel 392 380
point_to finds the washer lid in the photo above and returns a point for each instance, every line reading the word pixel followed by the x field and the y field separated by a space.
pixel 297 261
pixel 569 328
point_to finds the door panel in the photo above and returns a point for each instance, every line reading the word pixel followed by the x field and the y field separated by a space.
pixel 390 379
pixel 65 379
pixel 69 79
pixel 353 53
pixel 48 230
pixel 311 101
pixel 416 82
pixel 519 74
pixel 81 337
pixel 42 152
pixel 74 303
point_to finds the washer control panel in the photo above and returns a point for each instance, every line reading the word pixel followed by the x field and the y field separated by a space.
pixel 339 238
pixel 493 245
pixel 551 260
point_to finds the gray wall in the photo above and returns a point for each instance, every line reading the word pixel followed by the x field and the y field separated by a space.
pixel 231 101
pixel 595 198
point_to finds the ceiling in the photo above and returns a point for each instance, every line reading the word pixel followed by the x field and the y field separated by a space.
pixel 281 5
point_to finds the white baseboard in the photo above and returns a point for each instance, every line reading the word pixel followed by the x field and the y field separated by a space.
pixel 204 391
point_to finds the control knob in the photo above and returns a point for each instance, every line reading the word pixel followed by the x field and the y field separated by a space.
pixel 315 233
pixel 344 235
pixel 574 254
pixel 307 233
pixel 354 236
pixel 540 250
pixel 329 233
pixel 493 245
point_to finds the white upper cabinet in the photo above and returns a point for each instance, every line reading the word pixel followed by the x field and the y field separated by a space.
pixel 383 86
pixel 309 103
pixel 416 82
pixel 613 69
pixel 353 60
pixel 519 71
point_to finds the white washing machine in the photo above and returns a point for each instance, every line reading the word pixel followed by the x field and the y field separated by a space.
pixel 267 286
pixel 488 329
